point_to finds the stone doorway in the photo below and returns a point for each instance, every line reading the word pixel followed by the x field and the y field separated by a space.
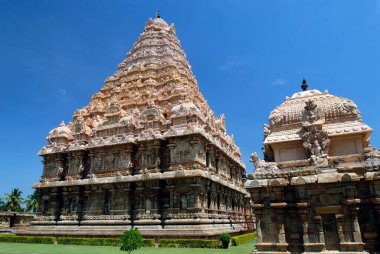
pixel 330 232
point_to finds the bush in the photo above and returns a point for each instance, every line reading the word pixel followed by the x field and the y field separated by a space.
pixel 242 239
pixel 131 240
pixel 89 241
pixel 27 239
pixel 148 243
pixel 225 239
pixel 188 243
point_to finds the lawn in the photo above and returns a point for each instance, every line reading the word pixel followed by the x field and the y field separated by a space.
pixel 24 248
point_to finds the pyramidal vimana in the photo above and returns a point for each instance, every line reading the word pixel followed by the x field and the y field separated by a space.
pixel 146 152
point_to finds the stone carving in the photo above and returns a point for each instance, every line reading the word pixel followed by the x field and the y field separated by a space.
pixel 263 167
pixel 266 130
pixel 276 116
pixel 312 115
pixel 349 107
pixel 316 142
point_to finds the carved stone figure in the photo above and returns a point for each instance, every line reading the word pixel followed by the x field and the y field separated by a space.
pixel 263 167
pixel 312 114
pixel 266 130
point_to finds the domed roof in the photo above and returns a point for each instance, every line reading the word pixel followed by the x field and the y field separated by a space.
pixel 334 108
pixel 338 116
pixel 156 23
pixel 62 131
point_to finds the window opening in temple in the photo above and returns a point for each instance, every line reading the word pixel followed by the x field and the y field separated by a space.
pixel 207 159
pixel 45 206
pixel 208 200
pixel 107 202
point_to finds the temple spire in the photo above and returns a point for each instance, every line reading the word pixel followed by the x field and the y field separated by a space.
pixel 304 85
pixel 158 14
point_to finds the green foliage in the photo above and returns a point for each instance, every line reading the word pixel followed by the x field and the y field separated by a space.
pixel 131 240
pixel 27 239
pixel 242 239
pixel 188 243
pixel 31 203
pixel 70 240
pixel 2 205
pixel 89 241
pixel 148 243
pixel 225 239
pixel 13 200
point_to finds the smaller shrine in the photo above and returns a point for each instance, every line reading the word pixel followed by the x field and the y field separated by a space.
pixel 318 188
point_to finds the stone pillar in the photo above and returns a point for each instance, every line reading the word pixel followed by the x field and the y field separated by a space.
pixel 92 157
pixel 319 234
pixel 279 226
pixel 115 159
pixel 357 242
pixel 87 208
pixel 339 227
pixel 259 216
pixel 126 200
pixel 303 211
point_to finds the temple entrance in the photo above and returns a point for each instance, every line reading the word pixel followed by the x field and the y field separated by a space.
pixel 330 232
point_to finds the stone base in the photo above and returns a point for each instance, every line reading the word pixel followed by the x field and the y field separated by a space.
pixel 148 228
pixel 279 248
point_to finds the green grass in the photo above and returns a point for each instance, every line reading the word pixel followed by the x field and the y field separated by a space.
pixel 33 248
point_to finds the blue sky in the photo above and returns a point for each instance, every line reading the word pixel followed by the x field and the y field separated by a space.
pixel 246 55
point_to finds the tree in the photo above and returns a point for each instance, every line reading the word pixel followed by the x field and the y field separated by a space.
pixel 31 203
pixel 225 239
pixel 131 240
pixel 13 200
pixel 2 205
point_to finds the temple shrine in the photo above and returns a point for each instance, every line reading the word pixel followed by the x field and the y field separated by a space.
pixel 146 152
pixel 318 188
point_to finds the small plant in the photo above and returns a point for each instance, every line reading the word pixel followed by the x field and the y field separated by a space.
pixel 225 239
pixel 131 240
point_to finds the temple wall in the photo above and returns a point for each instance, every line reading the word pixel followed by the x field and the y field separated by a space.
pixel 161 204
pixel 338 216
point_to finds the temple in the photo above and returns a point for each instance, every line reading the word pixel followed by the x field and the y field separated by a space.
pixel 318 188
pixel 146 152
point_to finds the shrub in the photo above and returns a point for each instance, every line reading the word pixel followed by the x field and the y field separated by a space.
pixel 188 243
pixel 225 239
pixel 89 241
pixel 148 243
pixel 131 240
pixel 27 239
pixel 242 239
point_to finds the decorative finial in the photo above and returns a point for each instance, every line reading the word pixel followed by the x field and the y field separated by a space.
pixel 304 85
pixel 62 124
pixel 158 14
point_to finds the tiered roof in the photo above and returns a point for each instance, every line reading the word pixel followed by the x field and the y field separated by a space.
pixel 152 95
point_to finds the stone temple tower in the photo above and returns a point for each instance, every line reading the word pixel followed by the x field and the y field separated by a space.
pixel 146 152
pixel 318 188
